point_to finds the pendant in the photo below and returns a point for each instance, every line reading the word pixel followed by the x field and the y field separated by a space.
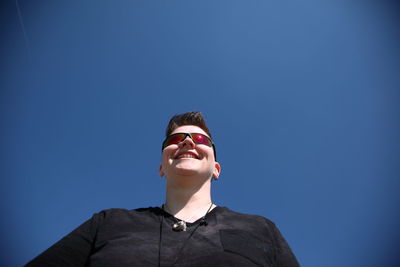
pixel 179 226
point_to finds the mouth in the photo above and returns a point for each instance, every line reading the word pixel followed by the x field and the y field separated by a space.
pixel 187 155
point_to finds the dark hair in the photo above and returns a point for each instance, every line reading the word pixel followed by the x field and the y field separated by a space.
pixel 188 118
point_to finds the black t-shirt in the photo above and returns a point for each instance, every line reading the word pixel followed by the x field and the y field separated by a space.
pixel 144 237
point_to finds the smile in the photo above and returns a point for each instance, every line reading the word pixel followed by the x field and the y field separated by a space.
pixel 186 156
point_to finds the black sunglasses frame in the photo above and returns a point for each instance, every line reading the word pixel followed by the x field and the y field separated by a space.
pixel 190 135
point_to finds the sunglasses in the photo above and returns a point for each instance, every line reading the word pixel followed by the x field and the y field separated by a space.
pixel 198 138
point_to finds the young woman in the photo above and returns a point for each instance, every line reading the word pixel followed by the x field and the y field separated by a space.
pixel 187 230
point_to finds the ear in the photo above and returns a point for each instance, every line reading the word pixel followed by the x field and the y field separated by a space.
pixel 160 171
pixel 217 170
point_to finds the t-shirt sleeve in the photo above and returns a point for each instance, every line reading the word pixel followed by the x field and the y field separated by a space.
pixel 284 255
pixel 73 249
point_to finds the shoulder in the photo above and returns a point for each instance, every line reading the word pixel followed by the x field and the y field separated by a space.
pixel 122 211
pixel 229 214
pixel 120 215
pixel 254 232
pixel 248 222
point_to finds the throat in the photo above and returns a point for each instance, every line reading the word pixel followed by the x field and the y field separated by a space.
pixel 181 220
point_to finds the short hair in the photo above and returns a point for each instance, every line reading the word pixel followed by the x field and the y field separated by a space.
pixel 188 118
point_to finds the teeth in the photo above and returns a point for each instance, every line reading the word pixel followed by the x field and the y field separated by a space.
pixel 186 156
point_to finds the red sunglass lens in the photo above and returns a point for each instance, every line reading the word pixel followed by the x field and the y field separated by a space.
pixel 201 139
pixel 174 139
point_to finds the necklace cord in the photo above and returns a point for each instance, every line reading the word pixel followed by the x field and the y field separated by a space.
pixel 202 222
pixel 159 241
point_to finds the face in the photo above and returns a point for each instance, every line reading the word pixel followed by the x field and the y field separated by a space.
pixel 188 158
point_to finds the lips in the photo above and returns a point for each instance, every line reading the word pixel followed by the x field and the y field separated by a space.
pixel 187 155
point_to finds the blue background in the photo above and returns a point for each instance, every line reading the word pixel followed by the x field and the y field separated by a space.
pixel 302 98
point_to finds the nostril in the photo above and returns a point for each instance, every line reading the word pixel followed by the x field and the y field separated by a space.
pixel 188 141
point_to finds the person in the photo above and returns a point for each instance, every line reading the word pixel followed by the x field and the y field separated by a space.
pixel 187 230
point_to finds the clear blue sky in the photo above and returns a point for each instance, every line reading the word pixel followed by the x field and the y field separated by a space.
pixel 302 98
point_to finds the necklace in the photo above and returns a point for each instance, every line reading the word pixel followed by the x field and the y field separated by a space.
pixel 184 228
pixel 180 225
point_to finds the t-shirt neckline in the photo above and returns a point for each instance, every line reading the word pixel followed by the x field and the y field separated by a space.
pixel 168 215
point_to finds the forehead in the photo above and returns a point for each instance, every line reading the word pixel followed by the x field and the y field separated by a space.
pixel 189 129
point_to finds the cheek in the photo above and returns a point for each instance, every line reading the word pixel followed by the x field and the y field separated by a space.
pixel 168 153
pixel 206 151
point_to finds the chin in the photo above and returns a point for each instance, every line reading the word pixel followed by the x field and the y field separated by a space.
pixel 186 172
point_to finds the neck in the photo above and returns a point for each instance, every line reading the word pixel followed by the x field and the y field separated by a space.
pixel 188 203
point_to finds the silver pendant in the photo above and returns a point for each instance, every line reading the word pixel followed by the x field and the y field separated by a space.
pixel 179 226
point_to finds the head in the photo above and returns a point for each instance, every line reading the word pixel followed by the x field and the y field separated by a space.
pixel 189 118
pixel 190 154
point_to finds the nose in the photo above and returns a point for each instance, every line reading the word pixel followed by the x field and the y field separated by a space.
pixel 187 142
